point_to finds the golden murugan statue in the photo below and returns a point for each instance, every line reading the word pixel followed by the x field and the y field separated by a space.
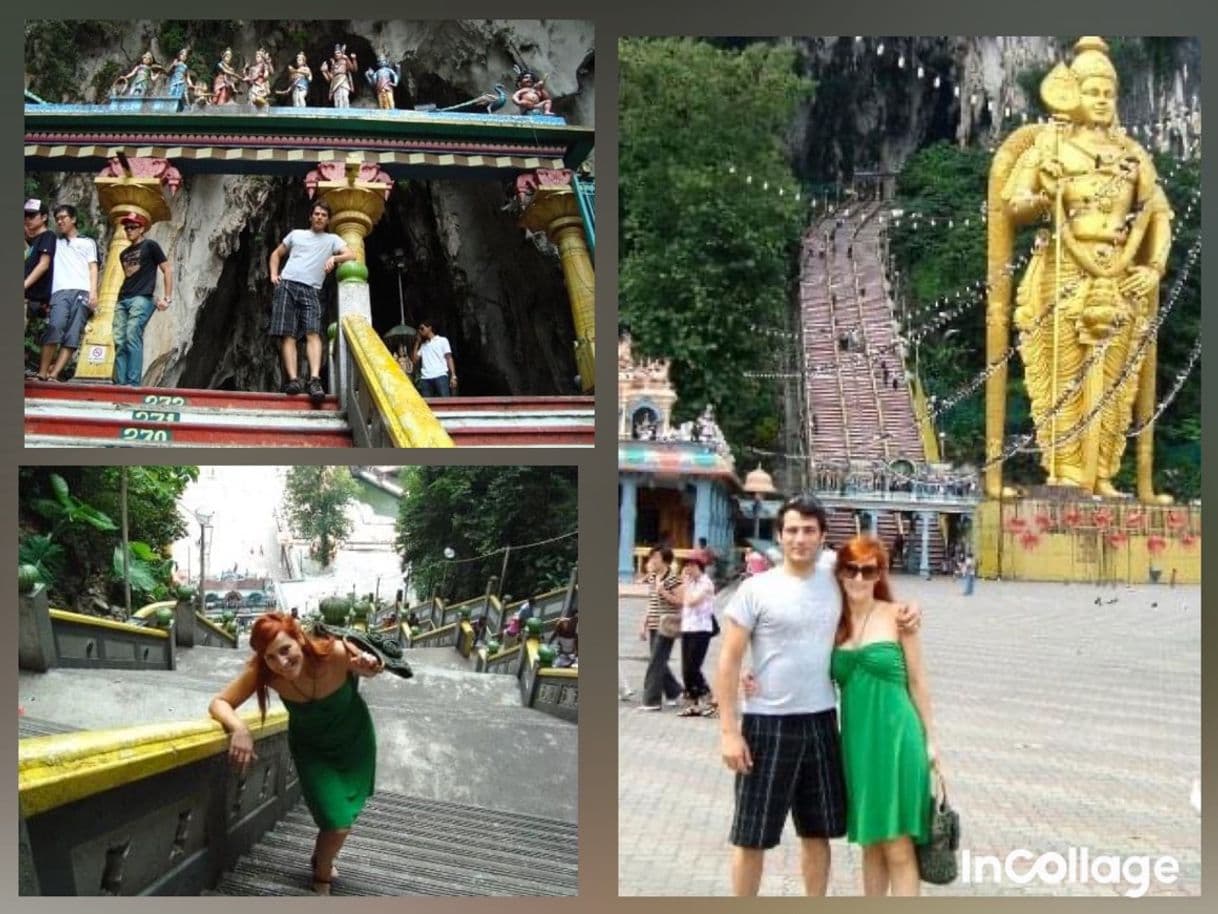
pixel 1090 293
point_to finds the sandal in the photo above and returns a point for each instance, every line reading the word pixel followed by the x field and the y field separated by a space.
pixel 325 882
pixel 710 711
pixel 690 711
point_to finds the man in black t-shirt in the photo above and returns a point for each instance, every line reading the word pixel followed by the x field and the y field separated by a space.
pixel 39 258
pixel 140 261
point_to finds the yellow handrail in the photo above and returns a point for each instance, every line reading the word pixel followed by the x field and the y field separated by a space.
pixel 930 444
pixel 408 420
pixel 63 615
pixel 59 769
pixel 145 611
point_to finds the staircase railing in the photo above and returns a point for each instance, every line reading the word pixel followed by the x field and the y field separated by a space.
pixel 146 810
pixel 383 408
pixel 926 430
pixel 90 641
pixel 554 691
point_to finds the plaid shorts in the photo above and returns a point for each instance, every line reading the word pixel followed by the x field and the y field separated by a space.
pixel 295 309
pixel 797 768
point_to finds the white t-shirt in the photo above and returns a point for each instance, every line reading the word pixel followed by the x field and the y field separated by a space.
pixel 307 255
pixel 699 606
pixel 71 266
pixel 792 622
pixel 431 357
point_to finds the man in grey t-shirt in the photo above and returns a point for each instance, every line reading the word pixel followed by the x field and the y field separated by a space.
pixel 296 306
pixel 785 749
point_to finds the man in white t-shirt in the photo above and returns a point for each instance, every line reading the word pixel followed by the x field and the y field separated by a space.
pixel 785 749
pixel 433 355
pixel 73 294
pixel 296 305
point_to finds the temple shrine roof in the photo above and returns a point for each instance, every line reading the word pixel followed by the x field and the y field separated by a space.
pixel 238 139
pixel 648 443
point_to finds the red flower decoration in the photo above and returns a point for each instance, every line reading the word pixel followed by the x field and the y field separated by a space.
pixel 1189 540
pixel 1015 524
pixel 1134 519
pixel 1029 540
pixel 1117 539
pixel 1102 518
pixel 1155 544
pixel 1072 517
pixel 1175 519
pixel 1044 521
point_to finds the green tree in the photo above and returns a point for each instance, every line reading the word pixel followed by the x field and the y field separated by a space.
pixel 707 256
pixel 316 498
pixel 477 511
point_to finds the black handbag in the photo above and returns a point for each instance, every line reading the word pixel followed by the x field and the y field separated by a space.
pixel 714 627
pixel 937 862
pixel 384 649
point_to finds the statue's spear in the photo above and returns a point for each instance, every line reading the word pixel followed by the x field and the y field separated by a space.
pixel 1060 92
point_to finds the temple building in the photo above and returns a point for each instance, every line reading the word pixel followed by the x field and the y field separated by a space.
pixel 676 484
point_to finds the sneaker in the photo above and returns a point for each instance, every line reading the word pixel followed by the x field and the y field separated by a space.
pixel 674 702
pixel 648 708
pixel 317 393
pixel 625 694
pixel 293 387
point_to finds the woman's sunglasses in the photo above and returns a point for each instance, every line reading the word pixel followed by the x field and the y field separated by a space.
pixel 851 570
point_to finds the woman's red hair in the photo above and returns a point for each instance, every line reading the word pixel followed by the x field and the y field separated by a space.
pixel 266 629
pixel 862 550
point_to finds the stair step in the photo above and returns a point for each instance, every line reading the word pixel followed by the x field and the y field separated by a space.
pixel 118 431
pixel 404 845
pixel 172 398
pixel 82 415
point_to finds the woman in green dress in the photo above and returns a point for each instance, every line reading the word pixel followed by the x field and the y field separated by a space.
pixel 887 733
pixel 330 732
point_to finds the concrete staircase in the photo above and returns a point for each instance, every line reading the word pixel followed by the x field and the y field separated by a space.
pixel 859 414
pixel 92 415
pixel 405 845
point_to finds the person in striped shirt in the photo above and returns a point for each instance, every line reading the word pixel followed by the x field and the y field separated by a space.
pixel 659 682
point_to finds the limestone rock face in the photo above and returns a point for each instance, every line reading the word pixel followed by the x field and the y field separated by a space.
pixel 870 113
pixel 494 291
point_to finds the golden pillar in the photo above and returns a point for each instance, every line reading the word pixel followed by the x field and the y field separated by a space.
pixel 553 209
pixel 120 192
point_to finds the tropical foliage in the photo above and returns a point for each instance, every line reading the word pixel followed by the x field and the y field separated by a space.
pixel 706 254
pixel 477 511
pixel 68 519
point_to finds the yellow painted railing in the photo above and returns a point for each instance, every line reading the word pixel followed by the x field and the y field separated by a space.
pixel 145 611
pixel 563 672
pixel 62 615
pixel 203 620
pixel 930 444
pixel 55 770
pixel 404 416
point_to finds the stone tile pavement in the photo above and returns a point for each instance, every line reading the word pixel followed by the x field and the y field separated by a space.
pixel 1063 723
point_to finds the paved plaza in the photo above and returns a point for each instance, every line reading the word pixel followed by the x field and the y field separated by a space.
pixel 1063 722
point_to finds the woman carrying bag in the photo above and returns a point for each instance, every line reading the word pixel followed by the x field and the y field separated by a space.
pixel 887 731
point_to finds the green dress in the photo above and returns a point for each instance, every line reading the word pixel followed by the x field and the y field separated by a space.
pixel 334 747
pixel 883 745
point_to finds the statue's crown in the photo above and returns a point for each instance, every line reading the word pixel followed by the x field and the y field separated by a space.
pixel 1091 59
